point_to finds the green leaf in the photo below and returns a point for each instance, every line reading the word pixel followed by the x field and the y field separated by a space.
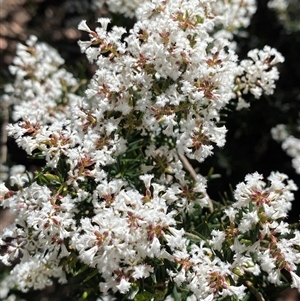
pixel 186 14
pixel 247 297
pixel 199 19
pixel 91 275
pixel 81 270
pixel 153 277
pixel 177 296
pixel 195 237
pixel 84 295
pixel 143 296
pixel 52 177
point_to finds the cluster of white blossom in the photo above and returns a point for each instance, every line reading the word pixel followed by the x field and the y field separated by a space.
pixel 258 208
pixel 234 15
pixel 42 88
pixel 205 274
pixel 168 73
pixel 6 284
pixel 114 191
pixel 264 207
pixel 289 143
pixel 258 74
pixel 287 12
pixel 279 5
pixel 17 177
pixel 37 234
pixel 126 229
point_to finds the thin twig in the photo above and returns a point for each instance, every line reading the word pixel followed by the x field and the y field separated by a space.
pixel 193 174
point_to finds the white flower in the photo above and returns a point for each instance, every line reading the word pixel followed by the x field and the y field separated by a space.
pixel 218 238
pixel 147 179
pixel 124 286
pixel 290 144
pixel 279 5
pixel 296 280
pixel 248 221
pixel 36 273
pixel 83 26
pixel 231 213
pixel 142 271
pixel 3 190
pixel 237 291
pixel 104 22
pixel 274 277
pixel 266 261
pixel 235 14
pixel 258 74
pixel 180 277
pixel 296 239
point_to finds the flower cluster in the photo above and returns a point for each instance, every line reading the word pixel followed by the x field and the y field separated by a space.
pixel 258 74
pixel 264 208
pixel 5 289
pixel 117 198
pixel 235 15
pixel 249 240
pixel 287 12
pixel 175 85
pixel 289 143
pixel 279 5
pixel 126 229
pixel 42 88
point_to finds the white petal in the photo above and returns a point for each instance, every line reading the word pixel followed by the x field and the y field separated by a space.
pixel 296 281
pixel 82 26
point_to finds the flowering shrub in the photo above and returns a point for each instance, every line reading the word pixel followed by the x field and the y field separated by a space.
pixel 117 206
